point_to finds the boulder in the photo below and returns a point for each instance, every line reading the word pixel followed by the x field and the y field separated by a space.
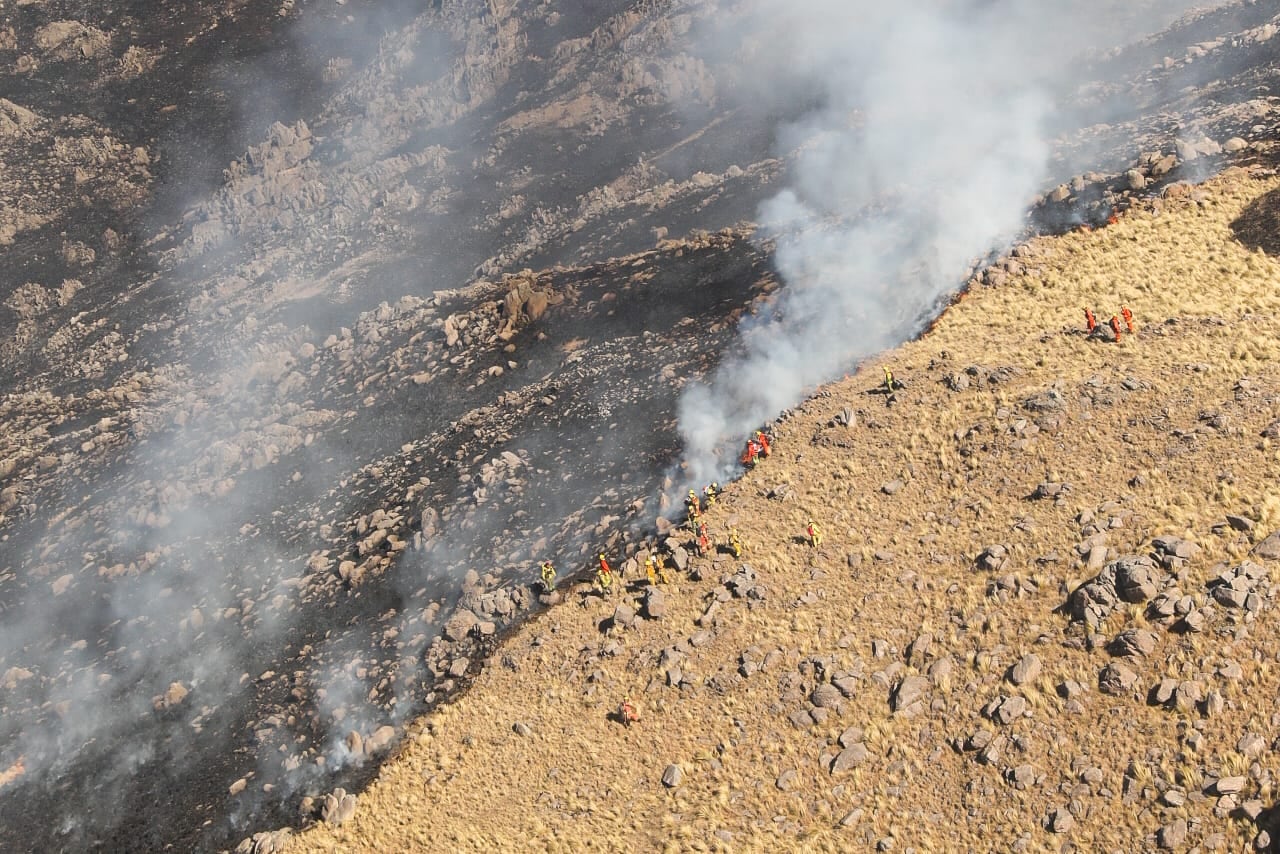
pixel 1116 679
pixel 909 691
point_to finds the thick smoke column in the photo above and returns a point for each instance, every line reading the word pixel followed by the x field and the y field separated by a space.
pixel 928 138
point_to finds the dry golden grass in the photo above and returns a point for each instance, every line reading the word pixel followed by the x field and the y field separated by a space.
pixel 1208 311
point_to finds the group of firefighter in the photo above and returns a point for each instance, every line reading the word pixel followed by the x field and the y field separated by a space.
pixel 1091 321
pixel 758 448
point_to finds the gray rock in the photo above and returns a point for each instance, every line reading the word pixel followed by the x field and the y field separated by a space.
pixel 1240 523
pixel 1116 679
pixel 458 667
pixel 1235 144
pixel 655 604
pixel 846 685
pixel 785 780
pixel 1172 835
pixel 851 818
pixel 1229 785
pixel 1022 777
pixel 1230 597
pixel 1251 745
pixel 1135 180
pixel 909 691
pixel 1061 821
pixel 338 807
pixel 891 487
pixel 1133 642
pixel 672 776
pixel 1269 548
pixel 1135 579
pixel 800 719
pixel 1026 670
pixel 849 758
pixel 460 624
pixel 851 736
pixel 1010 709
pixel 521 728
pixel 1163 692
pixel 826 696
pixel 624 616
pixel 993 558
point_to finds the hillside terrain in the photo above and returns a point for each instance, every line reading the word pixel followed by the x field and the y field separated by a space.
pixel 324 323
pixel 1042 612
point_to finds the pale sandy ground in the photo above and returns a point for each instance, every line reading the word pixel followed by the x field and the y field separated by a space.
pixel 896 568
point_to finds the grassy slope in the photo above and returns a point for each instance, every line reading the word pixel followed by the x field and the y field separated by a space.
pixel 467 781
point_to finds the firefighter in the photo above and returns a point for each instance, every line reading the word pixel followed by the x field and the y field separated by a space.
pixel 735 543
pixel 1128 318
pixel 763 442
pixel 548 576
pixel 651 569
pixel 693 505
pixel 1115 327
pixel 604 575
pixel 704 541
pixel 891 383
pixel 815 534
pixel 627 712
pixel 750 454
pixel 711 492
pixel 1089 320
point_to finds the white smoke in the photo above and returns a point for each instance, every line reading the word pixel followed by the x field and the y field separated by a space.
pixel 928 137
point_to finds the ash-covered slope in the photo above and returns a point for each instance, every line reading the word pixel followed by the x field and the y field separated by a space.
pixel 278 394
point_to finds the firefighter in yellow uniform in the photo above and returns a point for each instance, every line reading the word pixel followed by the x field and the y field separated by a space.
pixel 548 576
pixel 735 543
pixel 604 575
pixel 815 534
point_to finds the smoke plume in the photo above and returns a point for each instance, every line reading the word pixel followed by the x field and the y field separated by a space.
pixel 929 133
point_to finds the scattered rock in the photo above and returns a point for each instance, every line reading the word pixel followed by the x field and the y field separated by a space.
pixel 1133 643
pixel 1228 785
pixel 826 696
pixel 655 604
pixel 1061 821
pixel 849 758
pixel 1173 834
pixel 910 690
pixel 1269 548
pixel 672 776
pixel 1026 670
pixel 338 807
pixel 993 558
pixel 1116 679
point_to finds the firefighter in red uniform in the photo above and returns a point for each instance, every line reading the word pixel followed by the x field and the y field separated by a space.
pixel 763 441
pixel 627 712
pixel 704 541
pixel 750 454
